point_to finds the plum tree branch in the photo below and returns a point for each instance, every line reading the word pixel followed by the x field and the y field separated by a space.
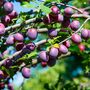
pixel 22 52
pixel 25 22
pixel 19 54
pixel 80 15
pixel 87 8
pixel 76 31
pixel 73 7
pixel 36 19
pixel 36 61
pixel 33 63
pixel 44 41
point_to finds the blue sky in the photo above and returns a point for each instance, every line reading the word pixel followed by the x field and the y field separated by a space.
pixel 18 8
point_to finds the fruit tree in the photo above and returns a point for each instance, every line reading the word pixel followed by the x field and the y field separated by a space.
pixel 50 33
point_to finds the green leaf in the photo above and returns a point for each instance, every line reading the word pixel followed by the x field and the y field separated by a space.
pixel 14 67
pixel 28 56
pixel 58 1
pixel 28 5
pixel 6 70
pixel 52 0
pixel 32 54
pixel 45 9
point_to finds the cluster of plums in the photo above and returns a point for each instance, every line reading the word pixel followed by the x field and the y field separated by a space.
pixel 44 57
pixel 49 57
pixel 19 38
pixel 10 14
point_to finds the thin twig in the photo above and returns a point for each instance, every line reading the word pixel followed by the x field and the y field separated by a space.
pixel 73 7
pixel 87 8
pixel 18 25
pixel 80 15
